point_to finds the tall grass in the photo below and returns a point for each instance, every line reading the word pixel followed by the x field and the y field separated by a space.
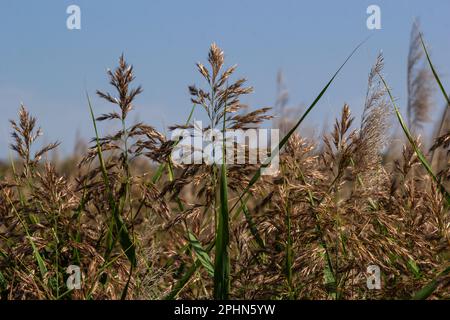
pixel 417 150
pixel 427 291
pixel 143 226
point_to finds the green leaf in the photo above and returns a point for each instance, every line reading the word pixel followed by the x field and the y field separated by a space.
pixel 183 281
pixel 222 259
pixel 438 80
pixel 252 225
pixel 201 253
pixel 3 282
pixel 428 290
pixel 38 257
pixel 414 268
pixel 329 279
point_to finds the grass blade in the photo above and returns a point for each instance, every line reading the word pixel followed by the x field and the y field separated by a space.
pixel 438 80
pixel 428 290
pixel 446 96
pixel 222 259
pixel 201 253
pixel 252 225
pixel 183 281
pixel 38 257
pixel 285 139
pixel 187 276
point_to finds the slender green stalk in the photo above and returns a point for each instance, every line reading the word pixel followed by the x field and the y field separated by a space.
pixel 222 259
pixel 289 252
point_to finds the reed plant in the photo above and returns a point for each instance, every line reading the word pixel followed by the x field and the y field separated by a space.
pixel 143 226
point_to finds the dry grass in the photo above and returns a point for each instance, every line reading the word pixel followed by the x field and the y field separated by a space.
pixel 141 227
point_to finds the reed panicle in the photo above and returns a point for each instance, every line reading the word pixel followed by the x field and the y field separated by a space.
pixel 420 89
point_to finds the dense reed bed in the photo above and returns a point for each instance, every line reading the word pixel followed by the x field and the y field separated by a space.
pixel 141 226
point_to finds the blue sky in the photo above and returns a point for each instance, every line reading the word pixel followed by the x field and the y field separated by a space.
pixel 48 67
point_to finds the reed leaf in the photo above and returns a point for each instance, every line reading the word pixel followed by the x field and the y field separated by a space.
pixel 285 139
pixel 252 225
pixel 428 290
pixel 222 259
pixel 436 76
pixel 201 253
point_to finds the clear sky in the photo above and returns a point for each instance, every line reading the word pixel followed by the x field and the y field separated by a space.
pixel 48 67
